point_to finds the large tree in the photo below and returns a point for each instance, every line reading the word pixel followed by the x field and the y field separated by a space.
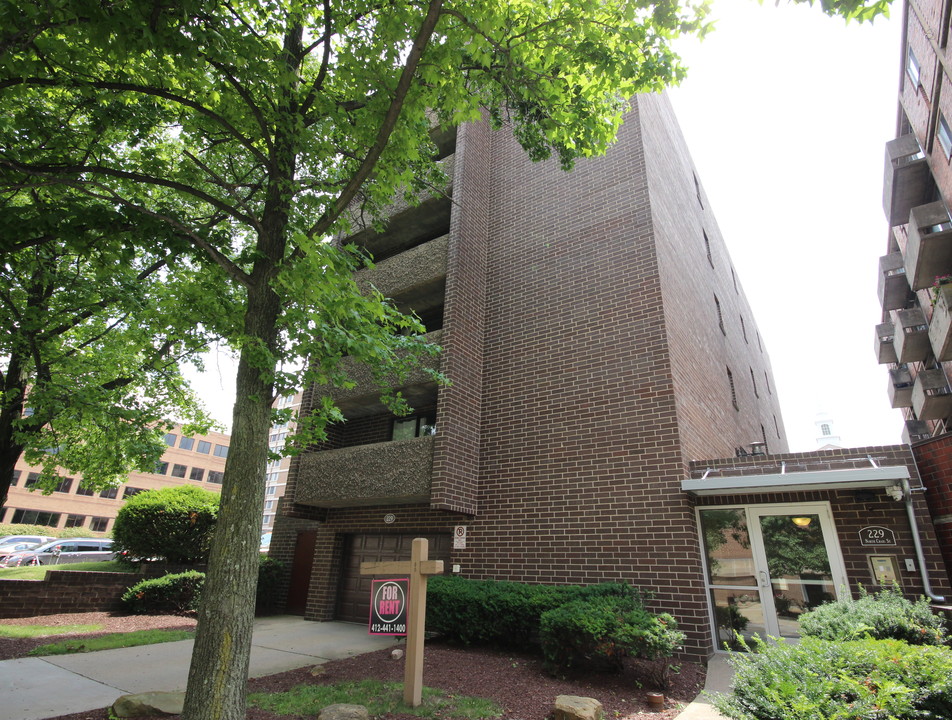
pixel 266 121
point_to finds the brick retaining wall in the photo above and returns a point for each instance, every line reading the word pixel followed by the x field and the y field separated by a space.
pixel 62 592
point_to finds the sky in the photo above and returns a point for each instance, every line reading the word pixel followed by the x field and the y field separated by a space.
pixel 786 113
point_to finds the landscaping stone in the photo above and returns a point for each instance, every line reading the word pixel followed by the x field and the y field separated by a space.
pixel 572 707
pixel 344 711
pixel 150 703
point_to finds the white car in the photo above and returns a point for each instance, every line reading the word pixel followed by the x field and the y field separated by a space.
pixel 17 539
pixel 61 552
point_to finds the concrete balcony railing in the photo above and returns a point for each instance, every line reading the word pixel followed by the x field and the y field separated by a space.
pixel 893 288
pixel 885 349
pixel 363 399
pixel 931 395
pixel 940 328
pixel 912 335
pixel 389 473
pixel 900 388
pixel 914 431
pixel 907 181
pixel 928 245
pixel 415 278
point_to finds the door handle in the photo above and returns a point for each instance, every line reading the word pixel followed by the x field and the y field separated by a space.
pixel 764 578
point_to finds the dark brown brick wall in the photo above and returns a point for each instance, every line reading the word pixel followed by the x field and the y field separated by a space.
pixel 934 458
pixel 64 592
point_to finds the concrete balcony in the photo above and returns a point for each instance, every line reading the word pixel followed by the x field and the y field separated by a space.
pixel 914 431
pixel 363 399
pixel 907 181
pixel 893 287
pixel 885 349
pixel 931 395
pixel 390 473
pixel 928 245
pixel 940 328
pixel 900 388
pixel 415 279
pixel 912 335
pixel 407 224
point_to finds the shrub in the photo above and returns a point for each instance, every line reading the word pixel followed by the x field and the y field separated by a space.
pixel 599 633
pixel 167 595
pixel 501 613
pixel 173 523
pixel 854 680
pixel 886 614
pixel 270 572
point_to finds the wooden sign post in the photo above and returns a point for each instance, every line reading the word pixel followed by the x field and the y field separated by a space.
pixel 418 569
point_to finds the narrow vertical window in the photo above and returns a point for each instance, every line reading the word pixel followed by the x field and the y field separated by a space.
pixel 776 425
pixel 753 382
pixel 707 248
pixel 697 189
pixel 912 69
pixel 743 329
pixel 720 317
pixel 730 381
pixel 759 346
pixel 944 133
pixel 734 279
pixel 767 382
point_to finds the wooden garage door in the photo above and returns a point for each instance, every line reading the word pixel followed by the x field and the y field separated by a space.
pixel 353 595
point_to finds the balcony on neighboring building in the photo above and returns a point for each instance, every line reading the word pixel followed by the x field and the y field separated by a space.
pixel 900 387
pixel 940 328
pixel 415 279
pixel 386 473
pixel 912 335
pixel 929 245
pixel 363 399
pixel 885 349
pixel 907 181
pixel 914 431
pixel 893 287
pixel 931 395
pixel 407 224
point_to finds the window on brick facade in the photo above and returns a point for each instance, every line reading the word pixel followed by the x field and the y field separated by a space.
pixel 763 435
pixel 170 439
pixel 35 517
pixel 98 524
pixel 129 492
pixel 215 476
pixel 15 479
pixel 186 443
pixel 197 474
pixel 411 427
pixel 32 479
pixel 109 493
pixel 753 381
pixel 759 346
pixel 912 68
pixel 730 381
pixel 75 521
pixel 64 486
pixel 720 317
pixel 204 447
pixel 767 382
pixel 269 504
pixel 776 425
pixel 734 279
pixel 271 490
pixel 707 248
pixel 743 328
pixel 697 189
pixel 161 468
pixel 178 470
pixel 944 133
pixel 268 519
pixel 87 491
pixel 221 451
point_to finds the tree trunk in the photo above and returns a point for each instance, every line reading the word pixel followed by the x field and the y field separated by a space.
pixel 14 388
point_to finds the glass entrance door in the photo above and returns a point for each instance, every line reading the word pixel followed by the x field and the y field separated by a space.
pixel 768 564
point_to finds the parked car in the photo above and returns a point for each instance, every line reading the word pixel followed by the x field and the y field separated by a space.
pixel 62 552
pixel 8 550
pixel 16 539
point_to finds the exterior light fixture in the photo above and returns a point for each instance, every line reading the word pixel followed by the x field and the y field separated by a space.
pixel 802 522
pixel 895 492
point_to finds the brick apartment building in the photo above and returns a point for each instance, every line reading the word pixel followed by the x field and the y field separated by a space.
pixel 914 339
pixel 599 344
pixel 194 460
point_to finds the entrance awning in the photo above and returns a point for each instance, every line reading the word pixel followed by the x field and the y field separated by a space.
pixel 850 479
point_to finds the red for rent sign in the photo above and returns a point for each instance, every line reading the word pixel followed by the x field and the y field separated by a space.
pixel 388 606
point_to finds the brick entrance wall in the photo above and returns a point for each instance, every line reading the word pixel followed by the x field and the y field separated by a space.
pixel 934 458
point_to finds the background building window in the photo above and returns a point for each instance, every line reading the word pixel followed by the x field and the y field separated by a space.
pixel 825 429
pixel 221 451
pixel 161 468
pixel 944 133
pixel 170 439
pixel 65 485
pixel 730 381
pixel 912 69
pixel 204 447
pixel 35 517
pixel 197 474
pixel 178 470
pixel 129 492
pixel 109 493
pixel 186 443
pixel 411 427
pixel 98 524
pixel 75 521
pixel 215 476
pixel 15 479
pixel 87 491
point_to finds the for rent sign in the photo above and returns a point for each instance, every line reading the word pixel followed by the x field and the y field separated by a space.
pixel 388 606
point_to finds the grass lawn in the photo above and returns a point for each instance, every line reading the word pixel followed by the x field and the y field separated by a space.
pixel 33 631
pixel 111 641
pixel 378 697
pixel 38 572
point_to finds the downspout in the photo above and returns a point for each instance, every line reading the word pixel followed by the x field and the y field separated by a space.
pixel 914 526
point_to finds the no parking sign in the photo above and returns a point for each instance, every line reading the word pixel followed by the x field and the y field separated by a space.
pixel 388 606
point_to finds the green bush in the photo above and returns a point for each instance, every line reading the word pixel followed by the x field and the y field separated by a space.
pixel 167 595
pixel 856 680
pixel 501 613
pixel 270 572
pixel 599 633
pixel 173 523
pixel 886 614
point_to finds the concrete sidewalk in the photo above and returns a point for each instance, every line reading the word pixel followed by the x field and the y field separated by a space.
pixel 719 676
pixel 36 688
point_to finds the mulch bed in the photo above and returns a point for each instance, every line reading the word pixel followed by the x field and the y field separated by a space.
pixel 515 680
